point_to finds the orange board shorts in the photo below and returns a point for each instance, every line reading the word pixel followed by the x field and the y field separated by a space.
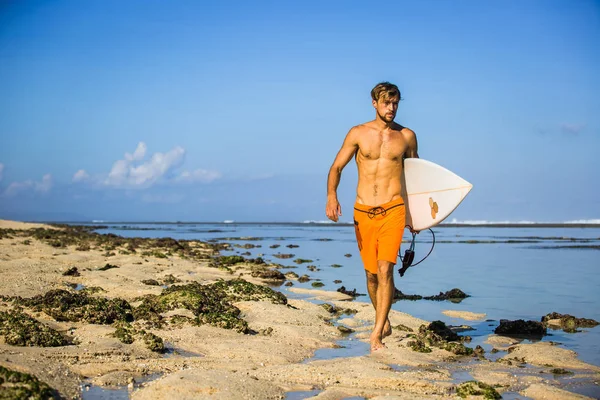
pixel 379 232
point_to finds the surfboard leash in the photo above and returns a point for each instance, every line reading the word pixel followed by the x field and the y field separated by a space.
pixel 409 254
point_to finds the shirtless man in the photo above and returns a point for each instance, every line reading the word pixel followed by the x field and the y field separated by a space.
pixel 379 147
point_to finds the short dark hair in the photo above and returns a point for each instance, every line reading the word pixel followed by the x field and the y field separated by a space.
pixel 385 90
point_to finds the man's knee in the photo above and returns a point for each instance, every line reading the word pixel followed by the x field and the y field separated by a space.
pixel 385 269
pixel 371 278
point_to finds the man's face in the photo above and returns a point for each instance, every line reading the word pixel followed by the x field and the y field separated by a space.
pixel 386 108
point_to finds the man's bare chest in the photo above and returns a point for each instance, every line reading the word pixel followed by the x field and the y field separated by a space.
pixel 389 146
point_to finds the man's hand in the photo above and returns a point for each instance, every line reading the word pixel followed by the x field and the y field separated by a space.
pixel 333 209
pixel 412 230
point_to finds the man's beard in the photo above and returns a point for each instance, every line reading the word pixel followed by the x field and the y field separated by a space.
pixel 387 119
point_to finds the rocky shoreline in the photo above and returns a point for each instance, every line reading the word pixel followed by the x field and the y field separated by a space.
pixel 80 308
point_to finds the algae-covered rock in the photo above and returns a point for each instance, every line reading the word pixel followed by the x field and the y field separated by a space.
pixel 560 371
pixel 455 295
pixel 476 388
pixel 401 327
pixel 170 279
pixel 127 334
pixel 227 261
pixel 302 260
pixel 107 267
pixel 71 272
pixel 569 323
pixel 419 346
pixel 211 304
pixel 19 329
pixel 520 327
pixel 330 308
pixel 151 282
pixel 352 292
pixel 317 284
pixel 18 385
pixel 282 256
pixel 398 295
pixel 434 334
pixel 267 274
pixel 63 305
pixel 241 290
pixel 441 329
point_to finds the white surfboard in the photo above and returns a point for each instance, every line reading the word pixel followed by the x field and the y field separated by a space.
pixel 432 192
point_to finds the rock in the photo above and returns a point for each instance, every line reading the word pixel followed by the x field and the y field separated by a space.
pixel 455 295
pixel 475 388
pixel 19 329
pixel 479 351
pixel 349 292
pixel 268 274
pixel 24 386
pixel 170 279
pixel 344 329
pixel 304 278
pixel 283 256
pixel 151 282
pixel 568 322
pixel 317 284
pixel 71 272
pixel 520 327
pixel 107 267
pixel 398 295
pixel 443 331
pixel 302 261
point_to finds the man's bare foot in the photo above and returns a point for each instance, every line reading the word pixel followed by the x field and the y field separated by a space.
pixel 387 329
pixel 376 343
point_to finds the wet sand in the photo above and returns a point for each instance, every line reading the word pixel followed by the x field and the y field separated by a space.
pixel 270 360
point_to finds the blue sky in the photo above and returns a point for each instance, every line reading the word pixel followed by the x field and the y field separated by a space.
pixel 205 111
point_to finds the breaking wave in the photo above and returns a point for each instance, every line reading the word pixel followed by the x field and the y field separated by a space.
pixel 523 222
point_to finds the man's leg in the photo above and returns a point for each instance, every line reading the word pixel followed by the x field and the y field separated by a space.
pixel 383 301
pixel 372 289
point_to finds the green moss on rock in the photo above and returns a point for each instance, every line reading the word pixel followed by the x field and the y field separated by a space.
pixel 476 388
pixel 211 304
pixel 18 385
pixel 19 329
pixel 63 305
pixel 127 333
pixel 434 335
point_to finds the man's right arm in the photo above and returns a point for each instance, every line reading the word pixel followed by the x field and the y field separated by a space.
pixel 348 150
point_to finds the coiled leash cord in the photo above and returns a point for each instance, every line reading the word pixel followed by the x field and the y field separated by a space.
pixel 409 254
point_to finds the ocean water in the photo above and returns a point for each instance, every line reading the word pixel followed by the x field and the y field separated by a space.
pixel 522 272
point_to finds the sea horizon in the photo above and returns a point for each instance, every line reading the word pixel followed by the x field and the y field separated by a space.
pixel 582 223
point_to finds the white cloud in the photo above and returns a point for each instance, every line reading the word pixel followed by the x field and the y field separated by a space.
pixel 138 154
pixel 42 186
pixel 572 129
pixel 80 176
pixel 45 185
pixel 198 175
pixel 136 172
pixel 132 174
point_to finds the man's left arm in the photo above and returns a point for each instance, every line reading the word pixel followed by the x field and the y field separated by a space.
pixel 412 146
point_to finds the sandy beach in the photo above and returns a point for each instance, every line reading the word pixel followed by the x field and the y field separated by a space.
pixel 174 319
